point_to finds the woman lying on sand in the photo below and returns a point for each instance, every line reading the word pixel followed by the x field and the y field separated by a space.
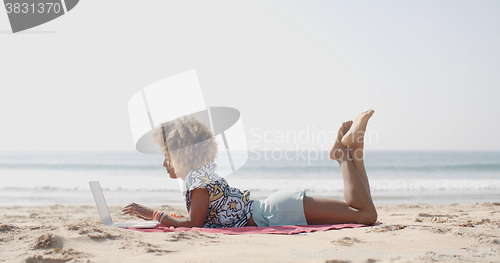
pixel 212 203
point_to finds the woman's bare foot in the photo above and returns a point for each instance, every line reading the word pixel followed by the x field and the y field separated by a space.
pixel 338 150
pixel 354 138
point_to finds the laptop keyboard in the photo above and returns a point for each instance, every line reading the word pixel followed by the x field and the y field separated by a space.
pixel 123 225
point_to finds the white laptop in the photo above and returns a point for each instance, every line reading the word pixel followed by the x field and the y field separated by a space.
pixel 104 212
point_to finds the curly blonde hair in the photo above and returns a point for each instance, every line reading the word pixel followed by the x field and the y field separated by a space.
pixel 190 143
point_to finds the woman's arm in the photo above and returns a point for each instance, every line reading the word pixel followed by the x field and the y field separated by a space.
pixel 200 200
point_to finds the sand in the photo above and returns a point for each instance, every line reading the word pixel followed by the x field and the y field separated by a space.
pixel 408 233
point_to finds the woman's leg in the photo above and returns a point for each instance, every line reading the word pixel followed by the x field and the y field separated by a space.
pixel 358 206
pixel 357 156
pixel 354 140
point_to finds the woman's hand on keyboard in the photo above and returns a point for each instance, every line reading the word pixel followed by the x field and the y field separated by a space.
pixel 138 210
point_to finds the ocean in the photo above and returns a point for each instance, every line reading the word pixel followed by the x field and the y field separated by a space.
pixel 396 177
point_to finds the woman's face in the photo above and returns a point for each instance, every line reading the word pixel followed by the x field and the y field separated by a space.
pixel 168 161
pixel 170 168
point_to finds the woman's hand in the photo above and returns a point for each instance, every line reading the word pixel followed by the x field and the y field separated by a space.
pixel 138 210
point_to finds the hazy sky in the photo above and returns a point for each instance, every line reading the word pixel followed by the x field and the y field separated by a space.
pixel 429 69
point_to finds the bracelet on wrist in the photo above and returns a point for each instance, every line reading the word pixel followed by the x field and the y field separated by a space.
pixel 159 216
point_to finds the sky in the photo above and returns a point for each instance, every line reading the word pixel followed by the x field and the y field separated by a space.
pixel 429 69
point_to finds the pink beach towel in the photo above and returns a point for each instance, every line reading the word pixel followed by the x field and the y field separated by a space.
pixel 283 230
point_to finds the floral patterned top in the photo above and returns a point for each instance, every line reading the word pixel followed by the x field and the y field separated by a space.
pixel 229 207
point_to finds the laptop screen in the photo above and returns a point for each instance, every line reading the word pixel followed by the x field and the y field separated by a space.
pixel 101 203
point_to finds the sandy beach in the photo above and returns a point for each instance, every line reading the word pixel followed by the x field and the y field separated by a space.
pixel 423 233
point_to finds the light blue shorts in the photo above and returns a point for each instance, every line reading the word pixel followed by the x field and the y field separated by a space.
pixel 280 209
